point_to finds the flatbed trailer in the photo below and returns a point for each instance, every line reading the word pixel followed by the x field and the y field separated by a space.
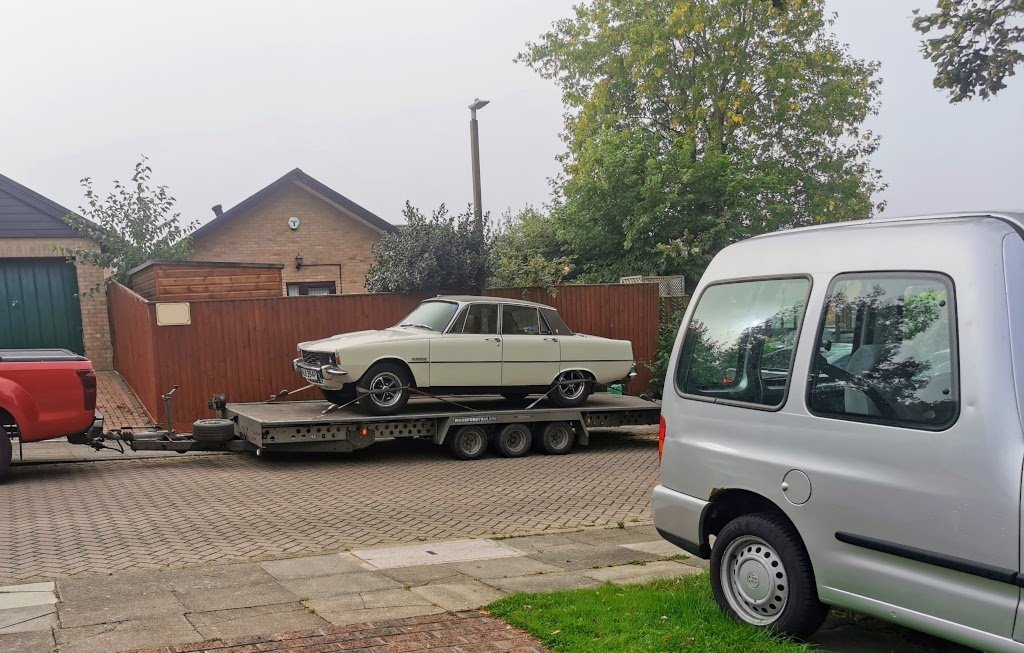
pixel 467 426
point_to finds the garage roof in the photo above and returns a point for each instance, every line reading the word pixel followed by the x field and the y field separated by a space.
pixel 25 213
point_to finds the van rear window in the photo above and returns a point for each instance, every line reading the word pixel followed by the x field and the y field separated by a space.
pixel 739 344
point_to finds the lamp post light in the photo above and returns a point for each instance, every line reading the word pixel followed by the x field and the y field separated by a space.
pixel 474 138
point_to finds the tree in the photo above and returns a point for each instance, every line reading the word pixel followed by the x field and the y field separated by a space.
pixel 691 125
pixel 441 253
pixel 980 43
pixel 133 224
pixel 526 253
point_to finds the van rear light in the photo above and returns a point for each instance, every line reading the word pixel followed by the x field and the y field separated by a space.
pixel 88 379
pixel 661 437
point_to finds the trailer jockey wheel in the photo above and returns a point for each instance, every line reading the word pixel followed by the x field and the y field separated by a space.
pixel 5 454
pixel 513 440
pixel 214 431
pixel 468 443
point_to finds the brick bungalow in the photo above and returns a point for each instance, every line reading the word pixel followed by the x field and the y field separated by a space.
pixel 321 237
pixel 45 300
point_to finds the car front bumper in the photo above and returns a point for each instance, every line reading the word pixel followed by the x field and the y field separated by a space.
pixel 331 377
pixel 679 519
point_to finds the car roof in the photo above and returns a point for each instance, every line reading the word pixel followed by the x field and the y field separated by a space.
pixel 472 299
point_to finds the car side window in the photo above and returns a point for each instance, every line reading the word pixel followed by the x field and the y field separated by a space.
pixel 481 319
pixel 554 322
pixel 739 344
pixel 519 320
pixel 887 351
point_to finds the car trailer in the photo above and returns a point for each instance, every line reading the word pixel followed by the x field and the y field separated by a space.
pixel 467 428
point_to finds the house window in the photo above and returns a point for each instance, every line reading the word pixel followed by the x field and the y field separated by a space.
pixel 312 288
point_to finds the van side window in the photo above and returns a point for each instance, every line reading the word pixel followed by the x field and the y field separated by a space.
pixel 740 341
pixel 887 351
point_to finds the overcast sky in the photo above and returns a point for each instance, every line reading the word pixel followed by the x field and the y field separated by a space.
pixel 370 98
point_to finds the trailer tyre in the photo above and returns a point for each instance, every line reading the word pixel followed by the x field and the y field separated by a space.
pixel 513 440
pixel 213 430
pixel 557 438
pixel 468 443
pixel 6 451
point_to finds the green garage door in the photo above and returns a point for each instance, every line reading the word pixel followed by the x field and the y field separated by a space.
pixel 39 304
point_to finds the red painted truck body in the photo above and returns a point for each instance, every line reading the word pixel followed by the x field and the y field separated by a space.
pixel 44 394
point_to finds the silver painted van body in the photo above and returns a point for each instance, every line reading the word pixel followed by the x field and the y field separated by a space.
pixel 919 524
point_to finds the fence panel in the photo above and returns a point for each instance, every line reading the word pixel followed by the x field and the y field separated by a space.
pixel 132 339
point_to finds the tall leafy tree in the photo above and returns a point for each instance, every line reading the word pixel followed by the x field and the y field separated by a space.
pixel 442 252
pixel 691 124
pixel 526 253
pixel 133 224
pixel 977 44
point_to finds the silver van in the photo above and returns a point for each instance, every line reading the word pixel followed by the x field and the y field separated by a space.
pixel 842 426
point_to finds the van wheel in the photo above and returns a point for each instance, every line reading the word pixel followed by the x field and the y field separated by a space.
pixel 513 441
pixel 557 438
pixel 570 389
pixel 467 443
pixel 384 389
pixel 6 451
pixel 761 575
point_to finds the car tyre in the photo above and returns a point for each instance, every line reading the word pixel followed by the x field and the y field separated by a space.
pixel 557 438
pixel 467 443
pixel 572 394
pixel 6 452
pixel 374 385
pixel 345 395
pixel 213 431
pixel 513 440
pixel 761 575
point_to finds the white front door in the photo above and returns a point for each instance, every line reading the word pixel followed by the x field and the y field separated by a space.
pixel 470 354
pixel 531 355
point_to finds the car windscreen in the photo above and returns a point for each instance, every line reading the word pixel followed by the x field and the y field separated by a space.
pixel 430 316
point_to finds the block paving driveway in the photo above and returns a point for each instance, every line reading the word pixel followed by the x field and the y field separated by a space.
pixel 62 520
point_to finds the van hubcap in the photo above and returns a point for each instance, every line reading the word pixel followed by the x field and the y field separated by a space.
pixel 754 580
pixel 385 389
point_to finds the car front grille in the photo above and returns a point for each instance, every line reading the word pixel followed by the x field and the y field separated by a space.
pixel 317 358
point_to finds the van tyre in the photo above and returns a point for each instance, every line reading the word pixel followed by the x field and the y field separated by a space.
pixel 557 438
pixel 6 451
pixel 513 441
pixel 761 575
pixel 570 389
pixel 214 431
pixel 467 443
pixel 384 389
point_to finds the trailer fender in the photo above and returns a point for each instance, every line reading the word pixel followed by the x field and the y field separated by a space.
pixel 451 423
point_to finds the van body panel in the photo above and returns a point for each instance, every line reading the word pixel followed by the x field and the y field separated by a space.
pixel 954 492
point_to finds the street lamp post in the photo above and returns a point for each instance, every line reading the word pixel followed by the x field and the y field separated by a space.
pixel 474 138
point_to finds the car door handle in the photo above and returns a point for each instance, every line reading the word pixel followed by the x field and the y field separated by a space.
pixel 551 339
pixel 493 339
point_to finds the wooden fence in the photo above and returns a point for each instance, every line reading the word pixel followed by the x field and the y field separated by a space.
pixel 244 348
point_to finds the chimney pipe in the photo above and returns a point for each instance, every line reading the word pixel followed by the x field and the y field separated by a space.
pixel 217 210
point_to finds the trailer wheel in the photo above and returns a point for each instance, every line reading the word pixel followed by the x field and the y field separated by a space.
pixel 5 454
pixel 468 443
pixel 213 430
pixel 557 438
pixel 513 440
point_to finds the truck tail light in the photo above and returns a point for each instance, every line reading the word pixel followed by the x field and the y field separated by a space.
pixel 88 379
pixel 661 437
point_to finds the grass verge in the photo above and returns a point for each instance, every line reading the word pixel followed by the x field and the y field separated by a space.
pixel 662 615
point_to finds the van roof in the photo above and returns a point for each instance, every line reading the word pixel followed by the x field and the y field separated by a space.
pixel 1014 218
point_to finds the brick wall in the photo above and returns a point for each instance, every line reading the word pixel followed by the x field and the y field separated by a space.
pixel 334 245
pixel 95 322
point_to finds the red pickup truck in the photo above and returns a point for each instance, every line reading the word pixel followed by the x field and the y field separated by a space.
pixel 44 394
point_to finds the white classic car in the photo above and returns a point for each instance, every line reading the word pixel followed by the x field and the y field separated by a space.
pixel 465 345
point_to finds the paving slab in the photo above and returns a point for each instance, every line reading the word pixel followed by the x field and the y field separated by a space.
pixel 260 620
pixel 504 567
pixel 662 548
pixel 27 595
pixel 322 587
pixel 338 563
pixel 423 574
pixel 240 596
pixel 626 574
pixel 565 580
pixel 28 618
pixel 335 604
pixel 40 641
pixel 614 535
pixel 104 588
pixel 235 575
pixel 135 606
pixel 429 553
pixel 531 544
pixel 392 598
pixel 370 615
pixel 458 596
pixel 581 556
pixel 127 635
